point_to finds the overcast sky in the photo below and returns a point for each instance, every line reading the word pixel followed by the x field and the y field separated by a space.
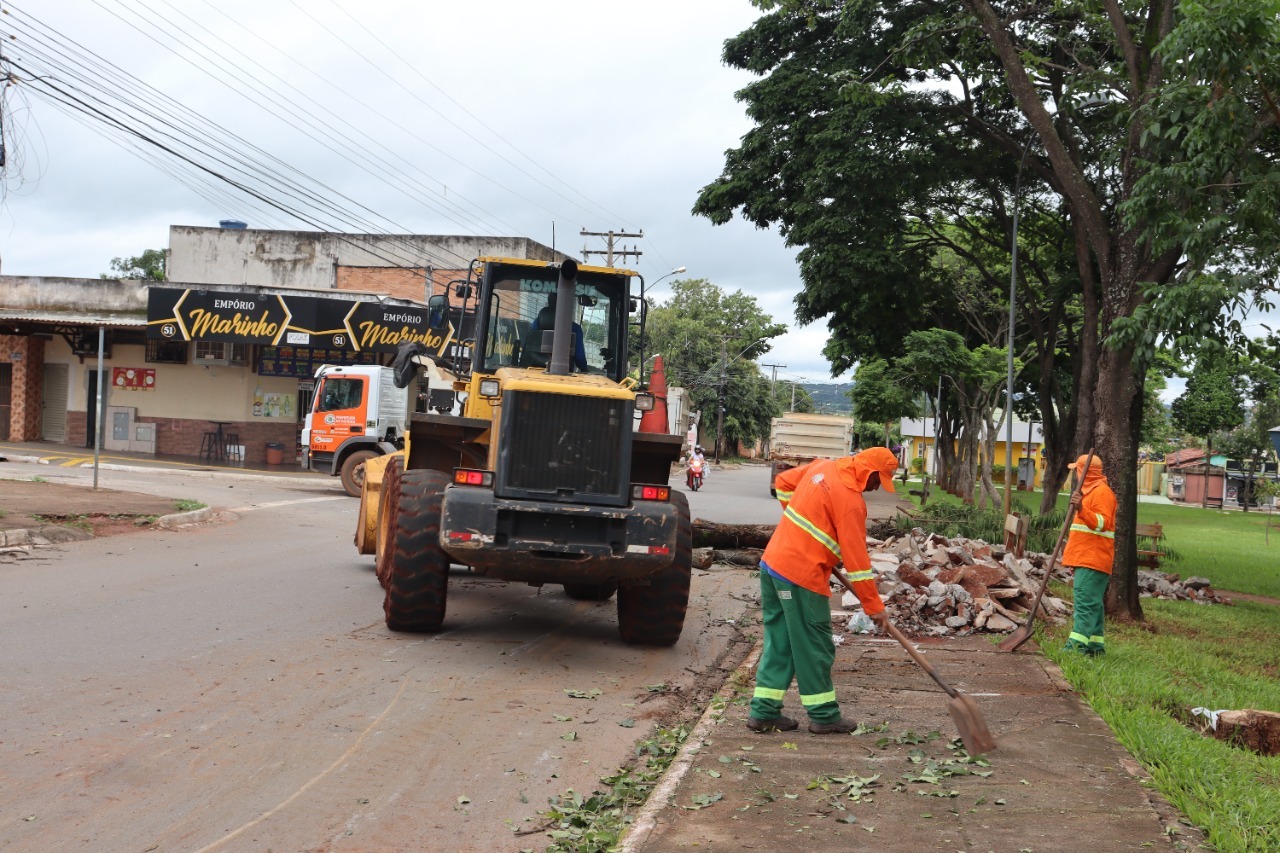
pixel 492 117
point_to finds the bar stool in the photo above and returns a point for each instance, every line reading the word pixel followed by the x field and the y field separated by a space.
pixel 231 447
pixel 209 445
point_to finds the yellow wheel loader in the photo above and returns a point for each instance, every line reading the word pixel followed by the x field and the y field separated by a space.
pixel 522 460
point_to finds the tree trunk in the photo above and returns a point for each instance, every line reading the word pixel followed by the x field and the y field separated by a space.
pixel 707 534
pixel 1118 399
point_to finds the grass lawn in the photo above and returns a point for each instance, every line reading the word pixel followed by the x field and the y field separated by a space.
pixel 1188 655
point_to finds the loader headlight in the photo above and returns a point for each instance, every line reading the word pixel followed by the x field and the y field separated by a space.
pixel 644 402
pixel 489 387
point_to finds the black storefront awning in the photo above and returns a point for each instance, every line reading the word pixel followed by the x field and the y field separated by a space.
pixel 353 326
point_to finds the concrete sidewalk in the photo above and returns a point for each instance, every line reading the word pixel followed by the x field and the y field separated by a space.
pixel 1058 780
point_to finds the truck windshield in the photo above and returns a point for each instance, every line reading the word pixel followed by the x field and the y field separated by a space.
pixel 339 393
pixel 522 306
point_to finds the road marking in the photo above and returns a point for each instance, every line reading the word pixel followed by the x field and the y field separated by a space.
pixel 75 461
pixel 274 504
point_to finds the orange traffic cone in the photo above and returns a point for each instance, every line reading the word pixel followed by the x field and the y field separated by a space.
pixel 656 420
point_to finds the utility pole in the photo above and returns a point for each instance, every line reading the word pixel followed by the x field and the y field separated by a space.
pixel 610 253
pixel 724 365
pixel 774 381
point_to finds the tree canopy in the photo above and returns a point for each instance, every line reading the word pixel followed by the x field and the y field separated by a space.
pixel 1140 138
pixel 709 341
pixel 149 266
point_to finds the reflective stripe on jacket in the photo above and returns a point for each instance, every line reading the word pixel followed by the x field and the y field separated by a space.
pixel 824 522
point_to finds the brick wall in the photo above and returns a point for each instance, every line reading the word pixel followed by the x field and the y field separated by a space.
pixel 397 283
pixel 180 437
pixel 26 354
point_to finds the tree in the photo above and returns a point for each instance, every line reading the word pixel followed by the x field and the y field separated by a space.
pixel 881 397
pixel 1148 126
pixel 1250 443
pixel 1212 402
pixel 149 266
pixel 709 341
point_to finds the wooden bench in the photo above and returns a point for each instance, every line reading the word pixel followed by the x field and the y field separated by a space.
pixel 1150 559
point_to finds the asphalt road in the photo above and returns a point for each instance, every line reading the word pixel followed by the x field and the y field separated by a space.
pixel 232 686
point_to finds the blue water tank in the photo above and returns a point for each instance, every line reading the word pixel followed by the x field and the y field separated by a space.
pixel 232 223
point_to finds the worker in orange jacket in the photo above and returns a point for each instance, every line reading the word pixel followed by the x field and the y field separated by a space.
pixel 824 522
pixel 1091 550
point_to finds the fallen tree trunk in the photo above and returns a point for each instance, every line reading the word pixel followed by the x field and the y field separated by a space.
pixel 730 536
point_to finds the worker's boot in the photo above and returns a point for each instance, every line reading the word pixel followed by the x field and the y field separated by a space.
pixel 780 723
pixel 841 726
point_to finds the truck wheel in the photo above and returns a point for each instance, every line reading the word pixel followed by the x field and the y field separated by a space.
pixel 353 471
pixel 653 615
pixel 388 497
pixel 590 591
pixel 418 570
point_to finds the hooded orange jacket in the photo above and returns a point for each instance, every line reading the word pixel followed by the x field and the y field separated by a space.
pixel 824 522
pixel 1092 542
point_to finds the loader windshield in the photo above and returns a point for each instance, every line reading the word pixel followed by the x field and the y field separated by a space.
pixel 521 307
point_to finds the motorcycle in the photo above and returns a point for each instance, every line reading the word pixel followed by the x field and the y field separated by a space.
pixel 694 477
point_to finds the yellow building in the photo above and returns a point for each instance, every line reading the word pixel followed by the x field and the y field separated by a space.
pixel 1028 444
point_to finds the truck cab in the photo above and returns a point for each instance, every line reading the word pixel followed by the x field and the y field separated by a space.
pixel 357 413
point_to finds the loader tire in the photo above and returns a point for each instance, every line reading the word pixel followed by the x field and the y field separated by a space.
pixel 653 615
pixel 387 498
pixel 590 591
pixel 418 575
pixel 352 472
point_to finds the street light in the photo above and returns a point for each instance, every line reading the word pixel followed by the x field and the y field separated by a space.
pixel 1013 291
pixel 645 309
pixel 1084 105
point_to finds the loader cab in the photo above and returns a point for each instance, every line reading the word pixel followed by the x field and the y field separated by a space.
pixel 517 318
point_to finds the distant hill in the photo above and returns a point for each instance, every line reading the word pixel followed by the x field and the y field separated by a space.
pixel 830 398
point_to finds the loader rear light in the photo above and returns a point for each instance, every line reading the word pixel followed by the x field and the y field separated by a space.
pixel 651 493
pixel 459 536
pixel 644 402
pixel 471 477
pixel 490 388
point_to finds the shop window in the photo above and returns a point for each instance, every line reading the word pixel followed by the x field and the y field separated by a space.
pixel 160 351
pixel 216 352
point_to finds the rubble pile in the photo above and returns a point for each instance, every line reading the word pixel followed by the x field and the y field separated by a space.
pixel 937 586
pixel 1164 585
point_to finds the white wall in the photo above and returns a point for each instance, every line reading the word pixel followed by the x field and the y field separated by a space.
pixel 308 259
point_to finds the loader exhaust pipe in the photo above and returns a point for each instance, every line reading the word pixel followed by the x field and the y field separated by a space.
pixel 562 337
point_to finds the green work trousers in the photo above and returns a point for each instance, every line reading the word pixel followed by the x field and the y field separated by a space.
pixel 1089 587
pixel 797 644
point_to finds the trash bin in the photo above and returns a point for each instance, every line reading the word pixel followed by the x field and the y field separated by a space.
pixel 275 453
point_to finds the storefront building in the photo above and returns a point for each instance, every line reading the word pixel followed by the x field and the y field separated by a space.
pixel 182 359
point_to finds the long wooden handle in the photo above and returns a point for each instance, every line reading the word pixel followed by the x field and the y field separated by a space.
pixel 1066 526
pixel 897 635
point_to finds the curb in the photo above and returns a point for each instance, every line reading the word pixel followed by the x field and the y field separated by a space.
pixel 300 476
pixel 22 537
pixel 647 818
